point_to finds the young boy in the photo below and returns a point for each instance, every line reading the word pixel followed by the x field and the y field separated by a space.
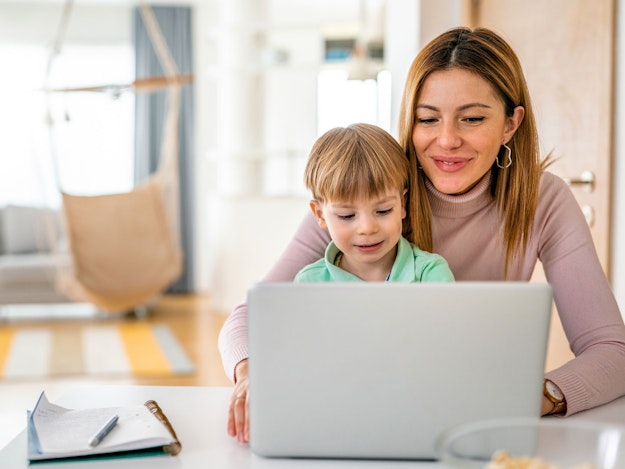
pixel 358 176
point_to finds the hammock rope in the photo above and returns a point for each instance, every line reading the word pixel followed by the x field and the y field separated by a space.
pixel 125 247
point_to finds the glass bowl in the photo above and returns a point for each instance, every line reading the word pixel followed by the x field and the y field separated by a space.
pixel 547 443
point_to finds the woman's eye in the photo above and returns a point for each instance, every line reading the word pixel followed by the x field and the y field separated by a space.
pixel 473 120
pixel 426 120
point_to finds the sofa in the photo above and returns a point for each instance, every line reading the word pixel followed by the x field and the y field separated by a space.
pixel 28 261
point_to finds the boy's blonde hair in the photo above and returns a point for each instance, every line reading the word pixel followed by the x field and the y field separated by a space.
pixel 360 160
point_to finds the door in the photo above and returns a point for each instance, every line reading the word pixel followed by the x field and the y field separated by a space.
pixel 566 48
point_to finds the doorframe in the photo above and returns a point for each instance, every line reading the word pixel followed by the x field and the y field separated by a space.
pixel 618 183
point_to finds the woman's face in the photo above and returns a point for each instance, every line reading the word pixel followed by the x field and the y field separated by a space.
pixel 459 128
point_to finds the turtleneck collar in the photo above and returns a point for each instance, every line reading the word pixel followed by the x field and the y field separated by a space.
pixel 458 206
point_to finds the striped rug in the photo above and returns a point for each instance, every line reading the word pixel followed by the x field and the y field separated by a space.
pixel 131 349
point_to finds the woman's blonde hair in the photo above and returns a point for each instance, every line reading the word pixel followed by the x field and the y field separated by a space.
pixel 515 188
pixel 360 160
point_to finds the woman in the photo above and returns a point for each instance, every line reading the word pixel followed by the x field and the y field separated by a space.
pixel 483 200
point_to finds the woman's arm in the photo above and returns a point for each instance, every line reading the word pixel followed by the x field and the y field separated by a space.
pixel 307 245
pixel 586 306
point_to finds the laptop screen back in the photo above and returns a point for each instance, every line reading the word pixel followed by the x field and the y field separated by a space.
pixel 379 370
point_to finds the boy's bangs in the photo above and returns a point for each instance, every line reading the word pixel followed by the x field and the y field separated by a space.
pixel 364 182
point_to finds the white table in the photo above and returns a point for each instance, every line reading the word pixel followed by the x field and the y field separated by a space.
pixel 198 415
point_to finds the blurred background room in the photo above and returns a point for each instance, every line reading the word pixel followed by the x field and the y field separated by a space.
pixel 88 93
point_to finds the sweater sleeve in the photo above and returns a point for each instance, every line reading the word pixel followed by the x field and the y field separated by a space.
pixel 307 245
pixel 588 311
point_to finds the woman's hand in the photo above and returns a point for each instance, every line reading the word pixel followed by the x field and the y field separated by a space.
pixel 238 412
pixel 546 406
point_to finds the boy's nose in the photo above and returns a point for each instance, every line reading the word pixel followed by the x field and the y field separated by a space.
pixel 368 225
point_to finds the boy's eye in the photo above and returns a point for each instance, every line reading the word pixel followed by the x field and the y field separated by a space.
pixel 346 217
pixel 385 212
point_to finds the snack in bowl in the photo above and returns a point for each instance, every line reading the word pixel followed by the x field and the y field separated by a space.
pixel 533 443
pixel 504 460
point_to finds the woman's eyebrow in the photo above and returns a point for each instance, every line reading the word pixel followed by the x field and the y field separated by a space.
pixel 464 107
pixel 470 105
pixel 427 106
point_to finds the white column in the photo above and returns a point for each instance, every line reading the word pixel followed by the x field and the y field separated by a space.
pixel 240 97
pixel 401 44
pixel 410 24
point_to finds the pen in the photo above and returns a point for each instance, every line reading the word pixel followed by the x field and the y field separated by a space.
pixel 106 428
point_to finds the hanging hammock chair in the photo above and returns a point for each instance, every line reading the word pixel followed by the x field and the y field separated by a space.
pixel 125 247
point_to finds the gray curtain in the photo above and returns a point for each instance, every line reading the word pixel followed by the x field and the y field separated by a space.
pixel 175 24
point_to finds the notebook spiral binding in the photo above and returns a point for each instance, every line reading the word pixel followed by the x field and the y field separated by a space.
pixel 175 447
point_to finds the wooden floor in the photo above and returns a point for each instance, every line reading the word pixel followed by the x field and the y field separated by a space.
pixel 189 317
pixel 196 326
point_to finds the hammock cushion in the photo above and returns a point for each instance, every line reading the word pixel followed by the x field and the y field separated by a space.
pixel 123 248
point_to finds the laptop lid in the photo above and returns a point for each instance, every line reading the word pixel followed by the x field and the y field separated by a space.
pixel 379 370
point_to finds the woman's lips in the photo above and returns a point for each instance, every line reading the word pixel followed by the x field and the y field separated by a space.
pixel 450 165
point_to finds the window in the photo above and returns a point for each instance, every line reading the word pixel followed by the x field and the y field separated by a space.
pixel 92 133
pixel 342 101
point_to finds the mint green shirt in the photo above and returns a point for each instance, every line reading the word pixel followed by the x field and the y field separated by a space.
pixel 411 265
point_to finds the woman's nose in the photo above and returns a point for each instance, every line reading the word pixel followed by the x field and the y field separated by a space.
pixel 449 136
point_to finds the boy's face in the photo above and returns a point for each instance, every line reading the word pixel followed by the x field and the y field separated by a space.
pixel 366 231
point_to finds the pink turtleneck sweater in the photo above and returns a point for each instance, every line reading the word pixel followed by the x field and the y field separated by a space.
pixel 465 231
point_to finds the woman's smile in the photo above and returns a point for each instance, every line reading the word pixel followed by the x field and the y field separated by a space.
pixel 450 164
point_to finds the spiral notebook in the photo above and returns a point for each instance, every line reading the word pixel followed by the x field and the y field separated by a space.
pixel 379 370
pixel 55 432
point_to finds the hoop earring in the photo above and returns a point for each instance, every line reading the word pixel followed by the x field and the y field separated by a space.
pixel 509 156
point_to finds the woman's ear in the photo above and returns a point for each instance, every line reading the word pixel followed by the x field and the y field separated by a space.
pixel 317 211
pixel 513 122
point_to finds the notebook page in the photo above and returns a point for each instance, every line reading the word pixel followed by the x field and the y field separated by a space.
pixel 66 431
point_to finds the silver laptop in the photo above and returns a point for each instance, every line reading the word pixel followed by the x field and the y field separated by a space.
pixel 379 370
